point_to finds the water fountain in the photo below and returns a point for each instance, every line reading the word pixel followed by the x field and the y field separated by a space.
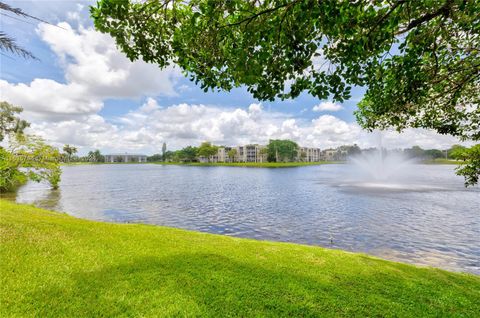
pixel 380 168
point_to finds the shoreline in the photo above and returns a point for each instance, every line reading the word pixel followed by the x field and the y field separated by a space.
pixel 250 164
pixel 215 164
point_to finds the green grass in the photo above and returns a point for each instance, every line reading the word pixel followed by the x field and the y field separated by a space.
pixel 54 265
pixel 443 161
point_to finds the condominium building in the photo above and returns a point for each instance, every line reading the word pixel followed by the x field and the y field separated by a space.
pixel 258 153
pixel 334 154
pixel 220 156
pixel 247 153
pixel 309 154
pixel 251 153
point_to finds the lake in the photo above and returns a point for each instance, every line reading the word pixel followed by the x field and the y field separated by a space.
pixel 429 219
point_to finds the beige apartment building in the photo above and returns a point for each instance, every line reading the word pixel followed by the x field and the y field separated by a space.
pixel 334 154
pixel 247 153
pixel 251 153
pixel 258 153
pixel 309 154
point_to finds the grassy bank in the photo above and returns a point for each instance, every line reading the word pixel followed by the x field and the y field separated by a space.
pixel 54 265
pixel 442 162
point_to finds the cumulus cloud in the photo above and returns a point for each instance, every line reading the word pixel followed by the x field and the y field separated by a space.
pixel 94 70
pixel 147 127
pixel 327 106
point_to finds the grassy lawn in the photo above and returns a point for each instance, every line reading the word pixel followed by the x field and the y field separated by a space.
pixel 54 265
pixel 442 162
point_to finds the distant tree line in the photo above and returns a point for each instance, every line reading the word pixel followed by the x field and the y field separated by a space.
pixel 186 154
pixel 456 152
pixel 287 150
pixel 68 155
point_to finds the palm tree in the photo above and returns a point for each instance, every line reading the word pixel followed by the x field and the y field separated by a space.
pixel 7 43
pixel 70 151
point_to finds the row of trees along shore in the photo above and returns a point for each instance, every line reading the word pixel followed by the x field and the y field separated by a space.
pixel 288 150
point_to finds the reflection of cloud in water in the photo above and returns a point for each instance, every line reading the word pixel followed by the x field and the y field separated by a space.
pixel 432 258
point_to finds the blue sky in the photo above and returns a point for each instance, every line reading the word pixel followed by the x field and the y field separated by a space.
pixel 84 92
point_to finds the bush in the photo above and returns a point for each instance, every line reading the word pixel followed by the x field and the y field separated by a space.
pixel 10 176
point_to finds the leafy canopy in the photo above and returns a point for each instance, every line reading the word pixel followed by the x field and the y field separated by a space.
pixel 419 60
pixel 281 150
pixel 470 167
pixel 10 123
pixel 206 150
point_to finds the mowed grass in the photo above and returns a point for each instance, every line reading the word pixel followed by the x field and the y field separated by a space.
pixel 54 265
pixel 440 161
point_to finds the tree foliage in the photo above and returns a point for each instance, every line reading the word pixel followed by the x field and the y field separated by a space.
pixel 28 157
pixel 188 154
pixel 25 157
pixel 470 168
pixel 419 60
pixel 232 154
pixel 10 123
pixel 207 150
pixel 95 156
pixel 164 151
pixel 456 152
pixel 7 43
pixel 69 151
pixel 281 150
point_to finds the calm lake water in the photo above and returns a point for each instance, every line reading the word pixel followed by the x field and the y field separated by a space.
pixel 427 217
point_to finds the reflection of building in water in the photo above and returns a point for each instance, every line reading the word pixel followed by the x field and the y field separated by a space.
pixel 125 157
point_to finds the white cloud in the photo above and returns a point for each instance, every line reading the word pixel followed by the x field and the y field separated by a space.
pixel 94 71
pixel 327 106
pixel 146 128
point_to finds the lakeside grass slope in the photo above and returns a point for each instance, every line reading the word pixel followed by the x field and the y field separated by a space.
pixel 55 265
pixel 440 161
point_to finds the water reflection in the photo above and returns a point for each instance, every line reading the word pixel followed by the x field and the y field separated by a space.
pixel 433 221
pixel 41 196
